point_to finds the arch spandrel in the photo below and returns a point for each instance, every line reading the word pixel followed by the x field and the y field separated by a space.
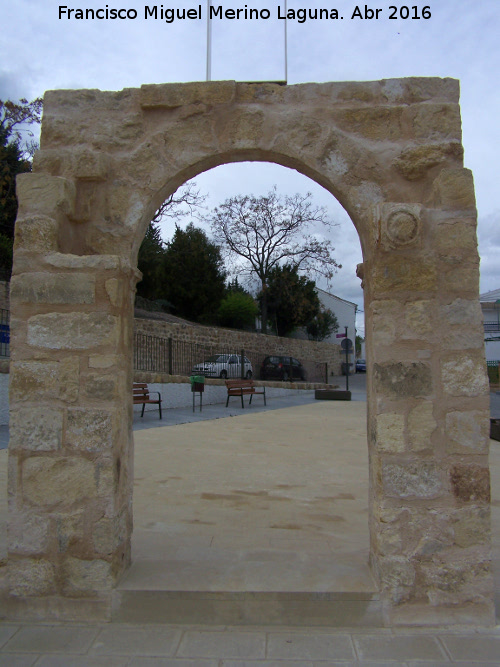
pixel 390 151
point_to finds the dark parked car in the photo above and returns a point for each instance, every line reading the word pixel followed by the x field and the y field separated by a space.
pixel 361 366
pixel 282 368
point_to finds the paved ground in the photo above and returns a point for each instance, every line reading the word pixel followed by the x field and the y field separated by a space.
pixel 270 478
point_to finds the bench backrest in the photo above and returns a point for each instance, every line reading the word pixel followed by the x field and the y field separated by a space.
pixel 236 384
pixel 140 390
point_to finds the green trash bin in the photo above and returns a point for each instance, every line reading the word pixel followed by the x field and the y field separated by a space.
pixel 197 387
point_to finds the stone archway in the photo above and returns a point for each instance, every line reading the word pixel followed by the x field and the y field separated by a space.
pixel 390 151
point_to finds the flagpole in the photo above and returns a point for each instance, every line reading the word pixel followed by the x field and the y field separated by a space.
pixel 209 43
pixel 286 45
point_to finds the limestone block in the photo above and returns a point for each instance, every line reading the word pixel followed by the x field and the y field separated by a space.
pixel 91 166
pixel 113 289
pixel 87 262
pixel 104 360
pixel 72 331
pixel 101 387
pixel 243 128
pixel 459 276
pixel 40 380
pixel 31 577
pixel 89 430
pixel 397 576
pixel 403 380
pixel 53 288
pixel 404 273
pixel 171 95
pixel 436 121
pixel 470 483
pixel 28 533
pixel 417 479
pixel 44 195
pixel 418 322
pixel 414 163
pixel 454 189
pixel 386 314
pixel 456 235
pixel 37 233
pixel 396 225
pixel 103 535
pixel 374 123
pixel 390 432
pixel 462 311
pixel 421 426
pixel 468 431
pixel 471 526
pixel 36 428
pixel 455 581
pixel 105 480
pixel 58 483
pixel 465 375
pixel 69 529
pixel 84 577
pixel 262 93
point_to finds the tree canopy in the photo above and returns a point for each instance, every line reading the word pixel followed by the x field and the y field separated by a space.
pixel 267 231
pixel 15 151
pixel 193 275
pixel 292 299
pixel 322 325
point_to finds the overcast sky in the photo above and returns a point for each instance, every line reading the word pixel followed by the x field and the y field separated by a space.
pixel 40 51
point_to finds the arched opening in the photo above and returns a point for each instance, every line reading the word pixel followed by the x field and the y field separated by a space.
pixel 268 502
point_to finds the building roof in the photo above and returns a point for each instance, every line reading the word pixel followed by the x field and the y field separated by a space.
pixel 338 298
pixel 490 297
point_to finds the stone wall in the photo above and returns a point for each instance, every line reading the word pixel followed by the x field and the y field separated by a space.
pixel 304 350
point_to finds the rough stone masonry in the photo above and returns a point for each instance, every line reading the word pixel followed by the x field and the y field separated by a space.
pixel 390 151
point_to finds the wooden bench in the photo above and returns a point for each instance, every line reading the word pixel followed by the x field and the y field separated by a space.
pixel 242 388
pixel 141 395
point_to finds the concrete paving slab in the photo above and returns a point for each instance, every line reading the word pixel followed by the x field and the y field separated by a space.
pixel 310 647
pixel 82 661
pixel 51 638
pixel 472 648
pixel 402 647
pixel 18 660
pixel 199 643
pixel 143 640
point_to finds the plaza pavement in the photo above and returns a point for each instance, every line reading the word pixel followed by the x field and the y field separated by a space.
pixel 260 501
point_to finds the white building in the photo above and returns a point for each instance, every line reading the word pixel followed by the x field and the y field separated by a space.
pixel 490 305
pixel 345 311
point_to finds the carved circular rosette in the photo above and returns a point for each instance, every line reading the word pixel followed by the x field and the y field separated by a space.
pixel 402 227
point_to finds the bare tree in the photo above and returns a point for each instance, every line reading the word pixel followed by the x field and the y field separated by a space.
pixel 187 200
pixel 269 230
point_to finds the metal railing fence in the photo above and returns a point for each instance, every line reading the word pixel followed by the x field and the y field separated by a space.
pixel 177 357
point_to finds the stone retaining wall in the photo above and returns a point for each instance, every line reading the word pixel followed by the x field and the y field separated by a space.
pixel 305 350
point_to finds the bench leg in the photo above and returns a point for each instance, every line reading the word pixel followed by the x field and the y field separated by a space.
pixel 265 397
pixel 143 406
pixel 242 404
pixel 227 402
pixel 250 401
pixel 159 408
